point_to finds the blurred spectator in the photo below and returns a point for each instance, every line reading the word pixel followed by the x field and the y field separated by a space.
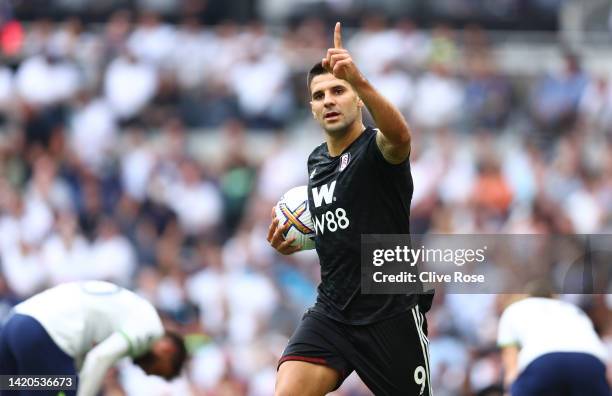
pixel 395 85
pixel 303 46
pixel 112 255
pixel 93 130
pixel 23 268
pixel 152 41
pixel 197 202
pixel 209 367
pixel 491 192
pixel 238 176
pixel 596 104
pixel 66 253
pixel 487 94
pixel 129 85
pixel 47 79
pixel 437 98
pixel 555 97
pixel 115 35
pixel 30 219
pixel 584 208
pixel 272 184
pixel 90 207
pixel 37 36
pixel 414 43
pixel 193 57
pixel 251 302
pixel 444 50
pixel 22 228
pixel 137 165
pixel 45 185
pixel 6 92
pixel 259 82
pixel 375 46
pixel 206 289
pixel 65 41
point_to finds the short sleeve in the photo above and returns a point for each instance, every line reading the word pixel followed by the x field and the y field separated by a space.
pixel 374 154
pixel 506 332
pixel 141 332
pixel 140 340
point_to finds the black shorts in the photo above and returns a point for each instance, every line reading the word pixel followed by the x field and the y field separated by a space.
pixel 391 357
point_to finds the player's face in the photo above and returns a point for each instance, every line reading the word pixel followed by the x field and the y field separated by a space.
pixel 334 103
pixel 160 367
pixel 158 361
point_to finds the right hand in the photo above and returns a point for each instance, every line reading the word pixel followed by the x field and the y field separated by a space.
pixel 276 238
pixel 338 61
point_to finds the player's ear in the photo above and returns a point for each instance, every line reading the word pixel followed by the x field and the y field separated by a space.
pixel 360 103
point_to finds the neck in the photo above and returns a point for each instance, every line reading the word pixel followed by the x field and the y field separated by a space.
pixel 338 141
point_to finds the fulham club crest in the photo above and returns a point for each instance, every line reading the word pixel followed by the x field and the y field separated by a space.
pixel 344 161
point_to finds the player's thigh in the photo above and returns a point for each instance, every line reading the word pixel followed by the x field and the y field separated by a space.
pixel 317 348
pixel 297 378
pixel 545 376
pixel 25 348
pixel 35 351
pixel 587 375
pixel 8 365
pixel 392 356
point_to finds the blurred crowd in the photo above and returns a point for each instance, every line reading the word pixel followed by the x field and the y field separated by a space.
pixel 100 177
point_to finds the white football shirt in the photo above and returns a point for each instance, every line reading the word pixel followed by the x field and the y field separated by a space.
pixel 79 315
pixel 543 325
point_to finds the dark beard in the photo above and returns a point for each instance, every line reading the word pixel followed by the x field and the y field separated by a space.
pixel 145 361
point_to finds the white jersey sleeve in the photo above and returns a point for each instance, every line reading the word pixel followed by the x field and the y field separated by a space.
pixel 98 361
pixel 506 332
pixel 141 332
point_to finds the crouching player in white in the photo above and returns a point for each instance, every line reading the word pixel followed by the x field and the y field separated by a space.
pixel 87 326
pixel 549 347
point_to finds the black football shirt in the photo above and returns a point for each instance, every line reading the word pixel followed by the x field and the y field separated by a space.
pixel 357 192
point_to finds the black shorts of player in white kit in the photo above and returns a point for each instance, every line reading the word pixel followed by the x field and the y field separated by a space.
pixel 381 337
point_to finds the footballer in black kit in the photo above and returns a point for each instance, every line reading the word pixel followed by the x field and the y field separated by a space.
pixel 354 193
pixel 364 187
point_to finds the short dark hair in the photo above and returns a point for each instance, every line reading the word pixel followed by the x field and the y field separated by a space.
pixel 542 288
pixel 315 70
pixel 180 356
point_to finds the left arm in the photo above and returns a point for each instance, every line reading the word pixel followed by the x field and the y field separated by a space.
pixel 394 137
pixel 98 361
pixel 510 363
pixel 509 343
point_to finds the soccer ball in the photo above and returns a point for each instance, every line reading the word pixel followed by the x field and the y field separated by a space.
pixel 292 208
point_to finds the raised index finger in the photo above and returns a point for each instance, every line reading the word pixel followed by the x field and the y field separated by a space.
pixel 337 36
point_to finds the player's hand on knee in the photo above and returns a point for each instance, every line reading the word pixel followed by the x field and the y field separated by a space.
pixel 276 237
pixel 338 60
